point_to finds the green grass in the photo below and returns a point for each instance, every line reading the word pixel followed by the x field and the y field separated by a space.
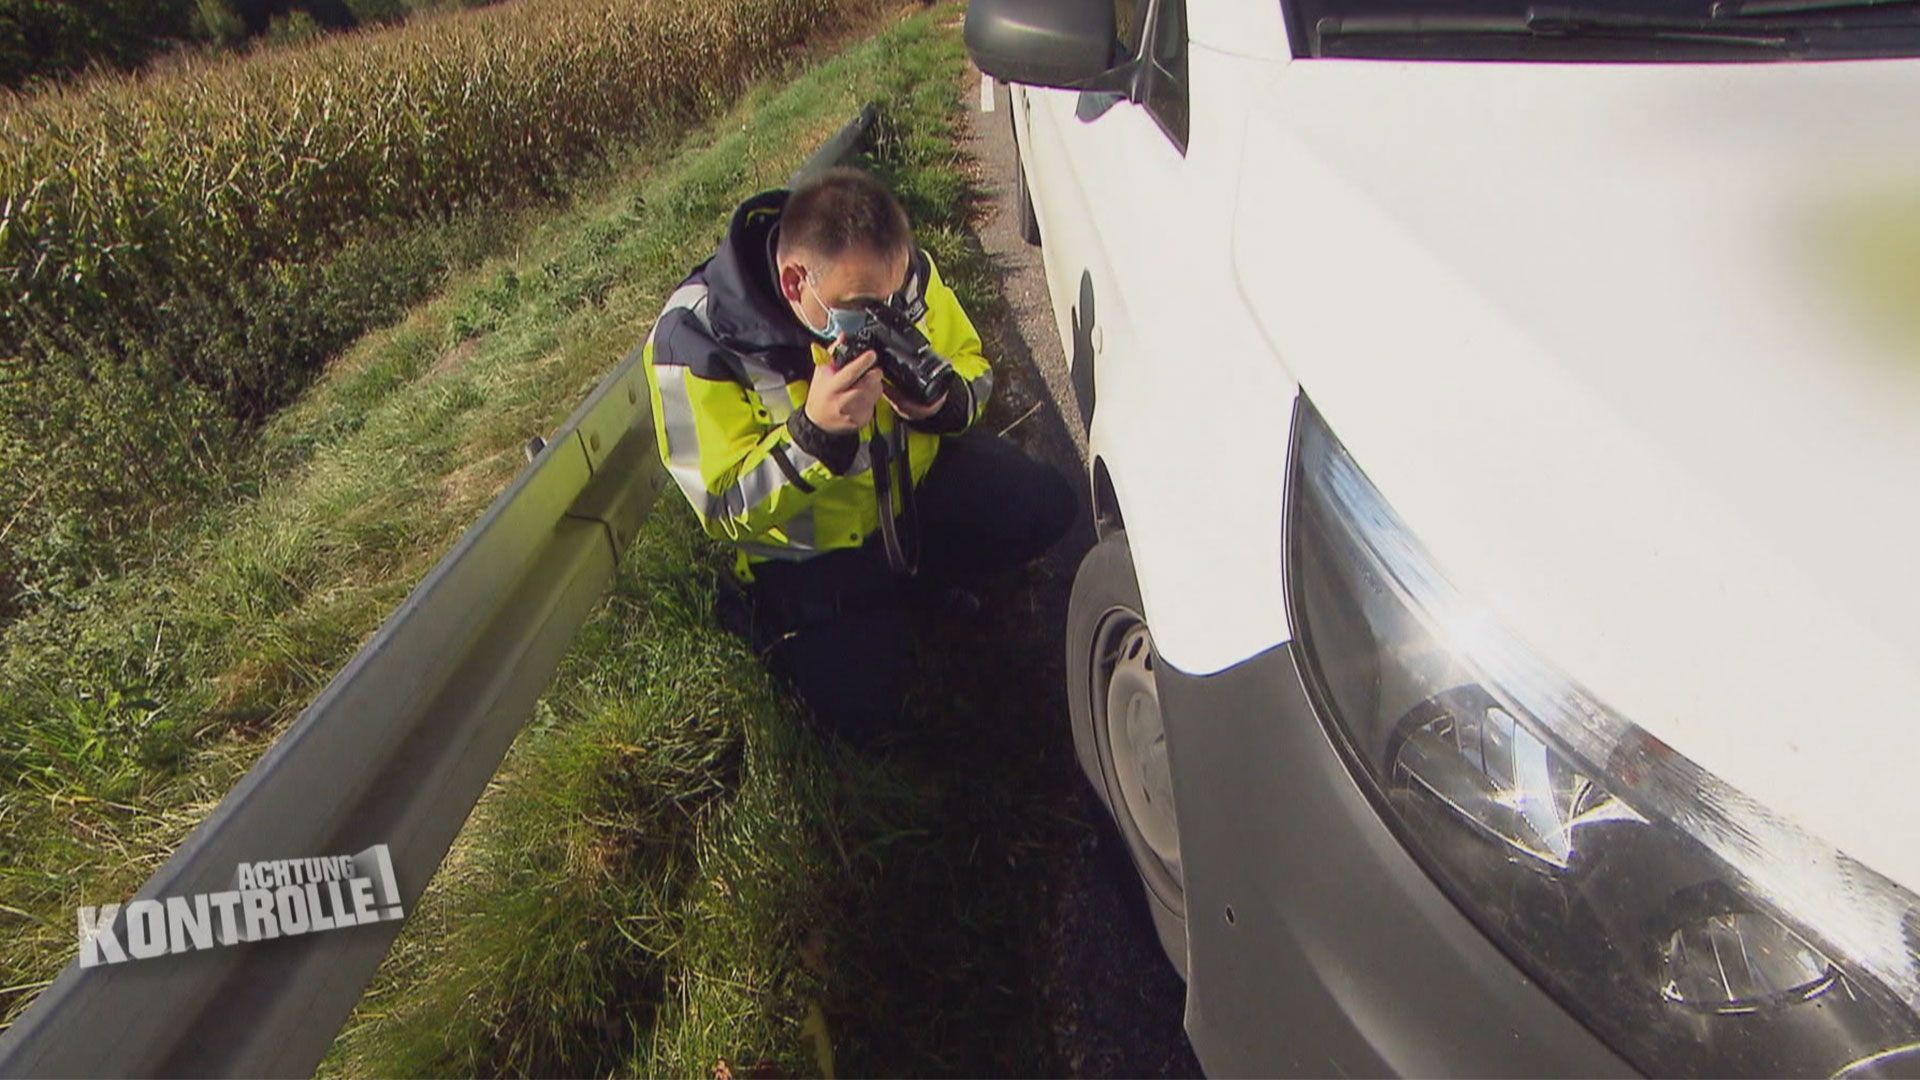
pixel 671 869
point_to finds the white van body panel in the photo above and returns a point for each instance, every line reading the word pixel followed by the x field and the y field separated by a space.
pixel 1160 421
pixel 1633 348
pixel 1607 337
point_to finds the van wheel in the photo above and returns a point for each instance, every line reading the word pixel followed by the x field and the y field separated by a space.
pixel 1117 729
pixel 1022 195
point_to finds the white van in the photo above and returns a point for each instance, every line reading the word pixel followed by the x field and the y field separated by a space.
pixel 1502 654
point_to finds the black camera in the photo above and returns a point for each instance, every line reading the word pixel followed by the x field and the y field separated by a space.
pixel 907 359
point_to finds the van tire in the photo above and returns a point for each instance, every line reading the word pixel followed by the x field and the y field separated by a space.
pixel 1023 214
pixel 1109 664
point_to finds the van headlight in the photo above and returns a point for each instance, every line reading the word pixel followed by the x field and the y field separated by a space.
pixel 1692 929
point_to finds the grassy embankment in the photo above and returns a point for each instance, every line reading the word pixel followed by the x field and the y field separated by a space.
pixel 670 869
pixel 183 251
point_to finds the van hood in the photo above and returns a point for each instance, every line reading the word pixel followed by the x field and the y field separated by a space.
pixel 1635 350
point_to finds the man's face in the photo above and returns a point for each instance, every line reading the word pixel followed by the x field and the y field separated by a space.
pixel 812 285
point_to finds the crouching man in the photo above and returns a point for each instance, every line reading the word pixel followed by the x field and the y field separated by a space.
pixel 851 488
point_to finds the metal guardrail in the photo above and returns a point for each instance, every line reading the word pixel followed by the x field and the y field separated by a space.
pixel 396 750
pixel 841 145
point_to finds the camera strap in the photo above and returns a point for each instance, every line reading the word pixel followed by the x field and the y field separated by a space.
pixel 903 556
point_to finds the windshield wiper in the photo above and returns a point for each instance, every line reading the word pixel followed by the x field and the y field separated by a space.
pixel 1565 21
pixel 1751 9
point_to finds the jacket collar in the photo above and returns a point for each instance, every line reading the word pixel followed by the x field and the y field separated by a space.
pixel 744 303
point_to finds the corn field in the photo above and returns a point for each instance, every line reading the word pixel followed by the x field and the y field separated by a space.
pixel 157 228
pixel 230 163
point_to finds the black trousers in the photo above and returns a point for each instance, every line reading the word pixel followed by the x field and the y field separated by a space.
pixel 836 625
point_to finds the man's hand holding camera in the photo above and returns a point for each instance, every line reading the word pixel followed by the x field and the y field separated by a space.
pixel 907 407
pixel 841 398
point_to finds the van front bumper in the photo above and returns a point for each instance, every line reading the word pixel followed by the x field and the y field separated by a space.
pixel 1316 945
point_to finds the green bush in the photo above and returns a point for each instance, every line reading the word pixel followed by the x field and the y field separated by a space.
pixel 54 37
pixel 216 21
pixel 293 27
pixel 86 453
pixel 367 12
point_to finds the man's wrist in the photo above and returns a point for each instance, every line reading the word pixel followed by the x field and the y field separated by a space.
pixel 836 449
pixel 953 414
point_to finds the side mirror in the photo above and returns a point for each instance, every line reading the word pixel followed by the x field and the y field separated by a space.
pixel 1062 43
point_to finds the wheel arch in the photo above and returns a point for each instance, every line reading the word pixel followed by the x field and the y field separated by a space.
pixel 1107 518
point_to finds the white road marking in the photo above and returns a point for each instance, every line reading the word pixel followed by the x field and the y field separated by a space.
pixel 986 92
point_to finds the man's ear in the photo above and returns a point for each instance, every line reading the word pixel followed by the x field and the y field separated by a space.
pixel 790 278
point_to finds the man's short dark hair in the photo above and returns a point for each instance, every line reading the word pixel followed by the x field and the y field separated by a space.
pixel 842 209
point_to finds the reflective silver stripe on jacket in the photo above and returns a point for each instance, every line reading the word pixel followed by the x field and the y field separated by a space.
pixel 686 296
pixel 802 461
pixel 979 389
pixel 683 441
pixel 768 551
pixel 769 384
pixel 754 487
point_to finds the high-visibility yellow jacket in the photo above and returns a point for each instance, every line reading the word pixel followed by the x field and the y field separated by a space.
pixel 728 366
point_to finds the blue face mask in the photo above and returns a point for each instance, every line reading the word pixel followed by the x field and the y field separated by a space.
pixel 848 321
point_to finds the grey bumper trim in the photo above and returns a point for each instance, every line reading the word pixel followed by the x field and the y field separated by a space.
pixel 1341 956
